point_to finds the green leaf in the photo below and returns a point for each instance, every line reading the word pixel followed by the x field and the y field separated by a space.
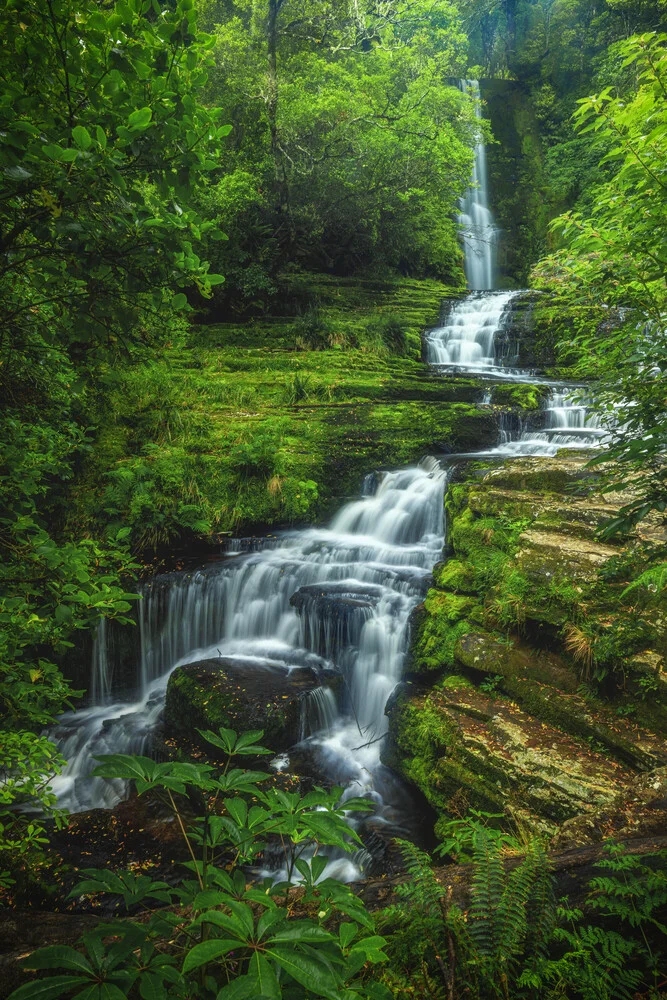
pixel 118 765
pixel 59 956
pixel 347 933
pixel 47 989
pixel 82 137
pixel 265 977
pixel 151 987
pixel 101 137
pixel 308 970
pixel 140 119
pixel 303 930
pixel 101 991
pixel 238 810
pixel 179 301
pixel 242 988
pixel 208 951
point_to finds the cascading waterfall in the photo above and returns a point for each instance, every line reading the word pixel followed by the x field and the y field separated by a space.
pixel 467 343
pixel 478 230
pixel 467 339
pixel 336 598
pixel 566 422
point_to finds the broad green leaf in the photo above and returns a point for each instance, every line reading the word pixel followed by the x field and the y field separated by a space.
pixel 140 119
pixel 208 951
pixel 238 810
pixel 101 991
pixel 265 977
pixel 59 956
pixel 347 933
pixel 242 988
pixel 307 969
pixel 82 137
pixel 302 930
pixel 47 989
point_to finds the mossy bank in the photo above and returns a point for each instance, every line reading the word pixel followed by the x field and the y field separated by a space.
pixel 536 683
pixel 243 427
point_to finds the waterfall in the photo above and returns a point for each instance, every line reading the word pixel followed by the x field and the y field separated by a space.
pixel 467 339
pixel 466 342
pixel 334 599
pixel 478 230
pixel 100 688
pixel 565 421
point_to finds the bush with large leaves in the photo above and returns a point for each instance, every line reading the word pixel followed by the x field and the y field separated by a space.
pixel 223 937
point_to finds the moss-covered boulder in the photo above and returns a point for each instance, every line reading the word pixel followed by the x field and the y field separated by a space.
pixel 437 625
pixel 463 746
pixel 237 695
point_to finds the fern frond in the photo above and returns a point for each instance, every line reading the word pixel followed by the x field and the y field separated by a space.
pixel 486 893
pixel 654 580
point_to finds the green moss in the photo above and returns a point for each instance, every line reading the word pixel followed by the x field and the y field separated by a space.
pixel 238 431
pixel 454 682
pixel 570 716
pixel 522 395
pixel 441 623
pixel 455 576
pixel 426 741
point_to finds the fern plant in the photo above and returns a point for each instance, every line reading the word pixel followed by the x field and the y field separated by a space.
pixel 653 579
pixel 480 952
pixel 618 957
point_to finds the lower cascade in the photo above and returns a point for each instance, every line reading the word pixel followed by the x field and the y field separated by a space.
pixel 276 610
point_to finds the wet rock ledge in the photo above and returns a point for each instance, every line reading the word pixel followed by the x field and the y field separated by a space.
pixel 536 687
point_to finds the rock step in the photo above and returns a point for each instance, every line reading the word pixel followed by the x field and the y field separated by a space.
pixel 504 759
pixel 548 691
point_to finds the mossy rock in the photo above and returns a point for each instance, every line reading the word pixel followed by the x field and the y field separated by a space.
pixel 484 653
pixel 591 720
pixel 455 576
pixel 209 694
pixel 459 744
pixel 540 475
pixel 437 626
pixel 546 555
pixel 520 395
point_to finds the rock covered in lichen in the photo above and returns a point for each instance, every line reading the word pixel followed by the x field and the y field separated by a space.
pixel 538 666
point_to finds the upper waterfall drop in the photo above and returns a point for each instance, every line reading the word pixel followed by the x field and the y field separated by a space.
pixel 478 230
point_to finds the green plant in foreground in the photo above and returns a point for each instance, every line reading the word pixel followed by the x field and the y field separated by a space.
pixel 512 940
pixel 214 935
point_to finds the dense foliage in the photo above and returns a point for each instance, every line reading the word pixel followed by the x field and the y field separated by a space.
pixel 614 255
pixel 305 935
pixel 102 137
pixel 350 145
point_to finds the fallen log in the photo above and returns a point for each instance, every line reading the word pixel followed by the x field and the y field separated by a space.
pixel 572 869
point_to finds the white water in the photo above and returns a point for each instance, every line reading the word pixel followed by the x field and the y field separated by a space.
pixel 467 339
pixel 376 556
pixel 567 423
pixel 478 230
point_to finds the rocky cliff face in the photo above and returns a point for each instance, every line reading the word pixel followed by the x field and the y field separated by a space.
pixel 536 687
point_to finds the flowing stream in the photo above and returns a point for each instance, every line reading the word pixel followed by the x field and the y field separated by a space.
pixel 335 600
